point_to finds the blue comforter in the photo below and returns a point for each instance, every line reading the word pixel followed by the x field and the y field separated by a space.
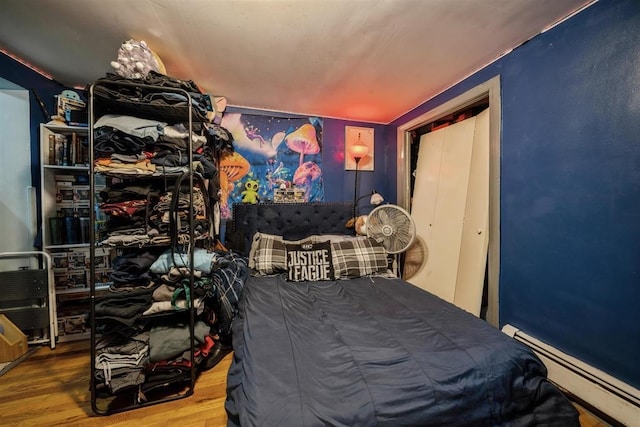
pixel 378 352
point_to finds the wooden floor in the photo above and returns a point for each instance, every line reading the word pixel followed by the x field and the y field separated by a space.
pixel 51 388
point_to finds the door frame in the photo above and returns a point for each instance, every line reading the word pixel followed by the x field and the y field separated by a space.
pixel 490 89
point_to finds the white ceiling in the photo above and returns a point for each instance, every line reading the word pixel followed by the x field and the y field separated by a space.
pixel 365 60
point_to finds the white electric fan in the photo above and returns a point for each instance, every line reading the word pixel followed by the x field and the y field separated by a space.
pixel 393 226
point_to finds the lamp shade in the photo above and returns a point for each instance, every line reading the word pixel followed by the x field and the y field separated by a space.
pixel 358 150
pixel 376 198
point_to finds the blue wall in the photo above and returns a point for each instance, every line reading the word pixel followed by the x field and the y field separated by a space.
pixel 570 185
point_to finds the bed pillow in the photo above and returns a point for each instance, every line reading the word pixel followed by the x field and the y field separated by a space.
pixel 268 254
pixel 309 261
pixel 358 257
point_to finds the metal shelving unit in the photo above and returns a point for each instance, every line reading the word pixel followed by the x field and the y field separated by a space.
pixel 137 396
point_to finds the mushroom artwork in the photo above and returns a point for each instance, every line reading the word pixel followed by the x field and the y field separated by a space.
pixel 305 175
pixel 247 138
pixel 303 140
pixel 232 167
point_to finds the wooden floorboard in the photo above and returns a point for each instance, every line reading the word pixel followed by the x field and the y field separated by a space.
pixel 51 388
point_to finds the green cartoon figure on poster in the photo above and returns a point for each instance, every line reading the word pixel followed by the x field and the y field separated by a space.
pixel 250 194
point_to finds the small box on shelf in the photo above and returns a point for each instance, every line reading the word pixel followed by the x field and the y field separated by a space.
pixel 101 277
pixel 64 193
pixel 81 195
pixel 75 324
pixel 65 178
pixel 289 195
pixel 76 279
pixel 78 258
pixel 65 209
pixel 102 258
pixel 82 210
pixel 60 278
pixel 59 260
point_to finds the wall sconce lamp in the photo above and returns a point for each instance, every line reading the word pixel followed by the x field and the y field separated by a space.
pixel 375 198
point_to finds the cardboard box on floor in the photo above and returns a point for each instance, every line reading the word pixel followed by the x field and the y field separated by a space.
pixel 13 343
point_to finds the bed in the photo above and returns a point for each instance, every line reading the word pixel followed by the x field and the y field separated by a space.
pixel 358 347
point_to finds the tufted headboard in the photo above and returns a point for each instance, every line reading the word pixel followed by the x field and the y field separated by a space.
pixel 293 221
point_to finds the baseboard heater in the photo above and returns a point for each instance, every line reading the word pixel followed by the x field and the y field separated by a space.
pixel 604 392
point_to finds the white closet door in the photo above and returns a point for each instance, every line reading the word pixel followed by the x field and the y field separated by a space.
pixel 475 231
pixel 451 209
pixel 439 202
pixel 430 161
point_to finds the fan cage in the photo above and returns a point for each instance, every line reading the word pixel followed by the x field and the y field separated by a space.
pixel 393 226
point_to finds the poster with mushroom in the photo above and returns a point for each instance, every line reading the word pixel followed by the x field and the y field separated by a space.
pixel 271 152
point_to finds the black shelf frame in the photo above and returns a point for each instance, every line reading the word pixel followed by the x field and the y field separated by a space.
pixel 173 115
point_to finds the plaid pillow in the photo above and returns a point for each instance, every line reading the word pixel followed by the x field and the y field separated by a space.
pixel 268 254
pixel 358 257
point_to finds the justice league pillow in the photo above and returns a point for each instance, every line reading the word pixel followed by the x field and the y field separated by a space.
pixel 309 262
pixel 268 254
